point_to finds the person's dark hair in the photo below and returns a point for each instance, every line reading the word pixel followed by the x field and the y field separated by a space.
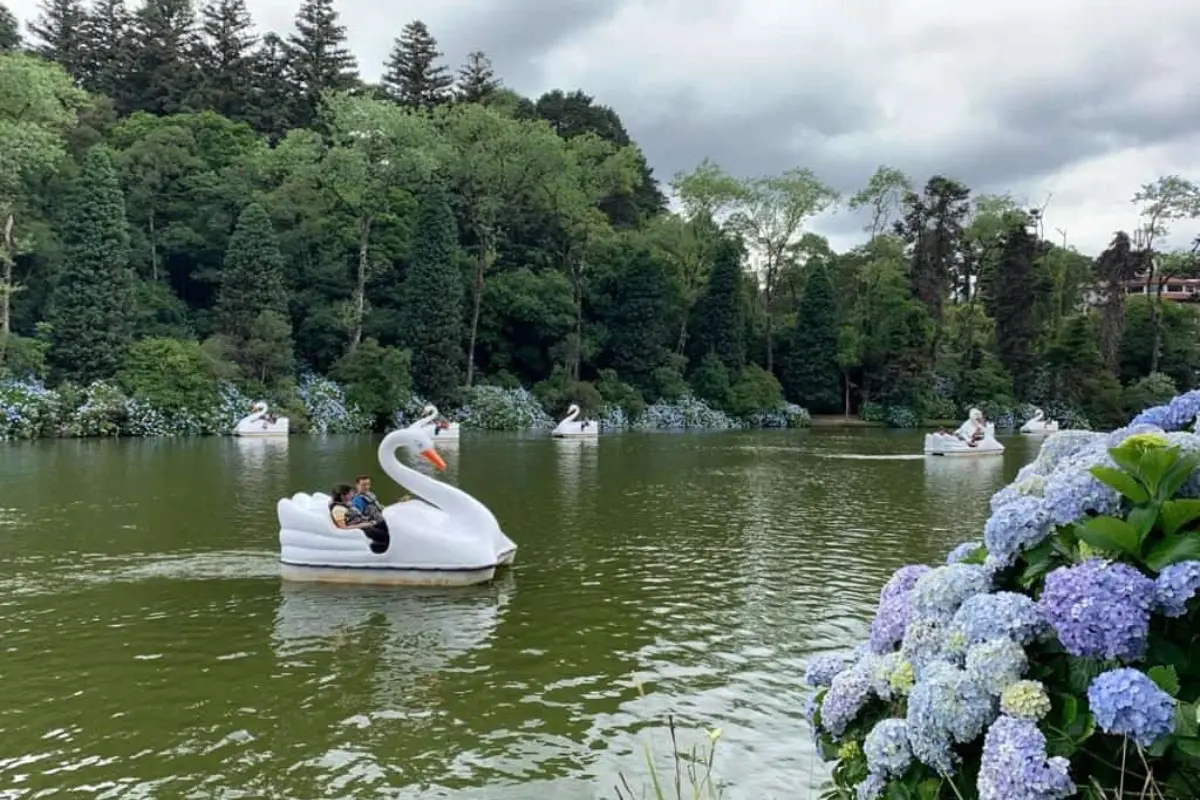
pixel 361 478
pixel 339 492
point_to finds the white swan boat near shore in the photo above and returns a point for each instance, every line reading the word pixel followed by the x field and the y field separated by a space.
pixel 1038 424
pixel 259 423
pixel 444 538
pixel 440 429
pixel 572 427
pixel 973 438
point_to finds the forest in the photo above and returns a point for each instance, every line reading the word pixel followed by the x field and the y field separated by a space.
pixel 186 203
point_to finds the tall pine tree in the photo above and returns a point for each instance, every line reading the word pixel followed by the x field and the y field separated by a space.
pixel 1014 287
pixel 252 312
pixel 226 59
pixel 477 81
pixel 58 33
pixel 92 307
pixel 812 376
pixel 10 31
pixel 163 73
pixel 270 100
pixel 318 59
pixel 431 323
pixel 108 48
pixel 719 322
pixel 412 76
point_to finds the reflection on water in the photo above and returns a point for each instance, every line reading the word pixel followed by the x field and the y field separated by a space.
pixel 151 651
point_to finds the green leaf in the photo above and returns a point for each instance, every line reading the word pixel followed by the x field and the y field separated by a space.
pixel 1173 549
pixel 1177 513
pixel 1166 678
pixel 1155 464
pixel 1142 519
pixel 1123 482
pixel 1177 475
pixel 1185 719
pixel 1109 533
pixel 1159 748
pixel 1128 457
pixel 929 789
pixel 1082 671
pixel 1188 745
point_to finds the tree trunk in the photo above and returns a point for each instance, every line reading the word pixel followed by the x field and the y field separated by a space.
pixel 681 345
pixel 1156 321
pixel 481 266
pixel 846 403
pixel 360 283
pixel 6 285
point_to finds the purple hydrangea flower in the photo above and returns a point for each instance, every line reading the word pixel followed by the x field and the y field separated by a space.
pixel 887 749
pixel 997 664
pixel 924 644
pixel 1015 526
pixel 823 668
pixel 891 620
pixel 1014 765
pixel 962 552
pixel 1003 615
pixel 1099 610
pixel 1180 413
pixel 901 581
pixel 872 788
pixel 847 694
pixel 1126 702
pixel 1176 586
pixel 941 591
pixel 1072 493
pixel 946 706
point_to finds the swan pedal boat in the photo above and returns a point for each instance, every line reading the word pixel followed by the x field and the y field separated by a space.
pixel 440 430
pixel 257 425
pixel 445 538
pixel 956 444
pixel 1038 424
pixel 571 427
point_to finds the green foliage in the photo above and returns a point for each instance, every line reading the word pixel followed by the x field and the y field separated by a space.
pixel 711 382
pixel 171 374
pixel 377 378
pixel 561 390
pixel 1180 343
pixel 719 326
pixel 813 377
pixel 617 394
pixel 22 357
pixel 93 303
pixel 755 390
pixel 1152 390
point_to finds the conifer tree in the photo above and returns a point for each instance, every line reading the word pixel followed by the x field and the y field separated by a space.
pixel 270 98
pixel 812 376
pixel 477 81
pixel 92 307
pixel 431 325
pixel 10 31
pixel 163 73
pixel 720 319
pixel 412 75
pixel 225 56
pixel 1015 305
pixel 318 58
pixel 58 33
pixel 108 48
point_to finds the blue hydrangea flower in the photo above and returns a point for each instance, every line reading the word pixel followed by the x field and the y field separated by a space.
pixel 925 643
pixel 962 552
pixel 997 664
pixel 1126 702
pixel 847 694
pixel 1014 765
pixel 1176 415
pixel 941 591
pixel 1176 586
pixel 872 788
pixel 902 580
pixel 887 749
pixel 1003 615
pixel 1099 610
pixel 1062 448
pixel 882 668
pixel 1072 493
pixel 946 706
pixel 823 668
pixel 1027 484
pixel 891 620
pixel 1015 526
pixel 1121 434
pixel 811 706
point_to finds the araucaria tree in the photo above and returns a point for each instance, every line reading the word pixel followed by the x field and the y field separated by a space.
pixel 432 315
pixel 812 375
pixel 413 76
pixel 93 302
pixel 252 312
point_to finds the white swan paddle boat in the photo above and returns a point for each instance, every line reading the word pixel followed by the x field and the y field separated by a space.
pixel 571 426
pixel 973 438
pixel 1038 424
pixel 259 423
pixel 439 429
pixel 444 538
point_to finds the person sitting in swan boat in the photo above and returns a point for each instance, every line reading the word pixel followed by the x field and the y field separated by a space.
pixel 347 517
pixel 365 501
pixel 972 431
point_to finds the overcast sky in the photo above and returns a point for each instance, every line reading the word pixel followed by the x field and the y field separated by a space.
pixel 1080 100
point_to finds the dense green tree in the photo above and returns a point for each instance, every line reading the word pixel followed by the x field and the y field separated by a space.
pixel 811 375
pixel 10 31
pixel 1079 376
pixel 1015 303
pixel 638 297
pixel 108 49
pixel 413 75
pixel 1119 263
pixel 226 59
pixel 163 74
pixel 58 33
pixel 433 308
pixel 318 59
pixel 270 95
pixel 477 81
pixel 719 323
pixel 378 378
pixel 1179 356
pixel 93 304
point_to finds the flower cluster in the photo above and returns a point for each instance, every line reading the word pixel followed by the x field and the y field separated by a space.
pixel 327 408
pixel 28 410
pixel 1025 700
pixel 494 408
pixel 687 412
pixel 1014 765
pixel 1127 703
pixel 1099 610
pixel 1176 586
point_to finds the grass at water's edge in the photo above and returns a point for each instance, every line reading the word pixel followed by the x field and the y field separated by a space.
pixel 691 778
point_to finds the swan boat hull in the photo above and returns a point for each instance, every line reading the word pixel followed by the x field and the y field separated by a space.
pixel 1040 430
pixel 938 444
pixel 592 431
pixel 261 433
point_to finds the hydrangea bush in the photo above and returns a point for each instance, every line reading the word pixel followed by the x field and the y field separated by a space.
pixel 495 408
pixel 28 410
pixel 327 408
pixel 1055 658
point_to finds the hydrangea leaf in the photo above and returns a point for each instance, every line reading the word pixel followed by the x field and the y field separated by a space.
pixel 1123 482
pixel 1166 678
pixel 1173 549
pixel 1177 513
pixel 1188 746
pixel 1109 533
pixel 1177 475
pixel 1142 519
pixel 1185 719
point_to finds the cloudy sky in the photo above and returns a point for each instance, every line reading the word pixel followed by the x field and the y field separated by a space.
pixel 1073 100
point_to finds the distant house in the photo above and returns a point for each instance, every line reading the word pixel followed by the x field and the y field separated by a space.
pixel 1177 290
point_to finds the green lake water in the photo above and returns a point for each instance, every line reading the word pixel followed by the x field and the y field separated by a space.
pixel 149 649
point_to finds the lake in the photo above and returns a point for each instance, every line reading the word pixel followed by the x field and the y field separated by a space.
pixel 150 650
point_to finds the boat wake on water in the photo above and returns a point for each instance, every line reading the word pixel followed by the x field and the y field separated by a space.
pixel 871 457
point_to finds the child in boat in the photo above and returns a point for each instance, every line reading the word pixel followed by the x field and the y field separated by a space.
pixel 347 517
